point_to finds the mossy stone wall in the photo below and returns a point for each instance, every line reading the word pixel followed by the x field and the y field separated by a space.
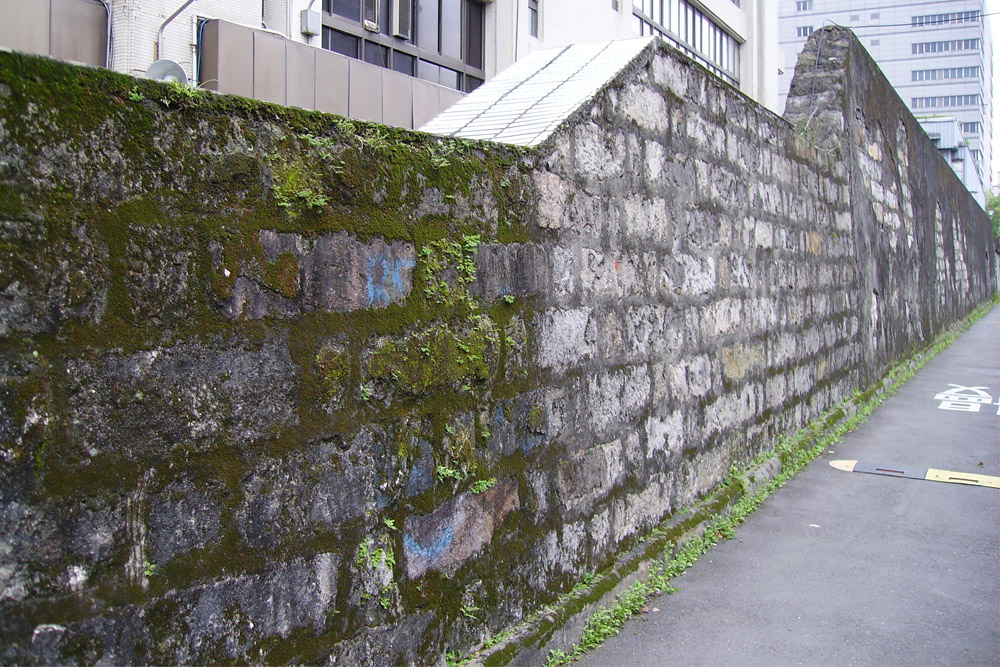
pixel 279 386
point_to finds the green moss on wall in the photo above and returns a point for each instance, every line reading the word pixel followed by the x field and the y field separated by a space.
pixel 142 203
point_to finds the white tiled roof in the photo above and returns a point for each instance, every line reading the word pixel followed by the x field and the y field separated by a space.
pixel 523 104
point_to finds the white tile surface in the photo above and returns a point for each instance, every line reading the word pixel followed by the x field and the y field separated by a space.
pixel 529 100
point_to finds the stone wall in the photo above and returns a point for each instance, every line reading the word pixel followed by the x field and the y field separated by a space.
pixel 279 386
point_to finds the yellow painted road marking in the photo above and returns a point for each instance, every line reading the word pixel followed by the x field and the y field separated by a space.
pixel 846 466
pixel 963 478
pixel 932 474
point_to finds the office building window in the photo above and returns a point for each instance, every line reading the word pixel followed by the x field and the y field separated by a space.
pixel 946 73
pixel 437 40
pixel 946 46
pixel 685 26
pixel 971 128
pixel 874 15
pixel 945 101
pixel 946 19
pixel 533 17
pixel 803 5
pixel 804 31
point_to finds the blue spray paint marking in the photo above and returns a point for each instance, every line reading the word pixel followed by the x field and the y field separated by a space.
pixel 434 550
pixel 391 277
pixel 397 276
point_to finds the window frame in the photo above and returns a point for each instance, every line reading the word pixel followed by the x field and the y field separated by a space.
pixel 469 75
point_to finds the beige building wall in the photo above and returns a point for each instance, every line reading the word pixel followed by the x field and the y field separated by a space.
pixel 260 64
pixel 74 30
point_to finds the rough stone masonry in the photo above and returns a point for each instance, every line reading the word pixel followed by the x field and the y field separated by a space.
pixel 279 386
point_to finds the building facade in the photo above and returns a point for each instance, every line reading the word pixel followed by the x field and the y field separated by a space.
pixel 394 61
pixel 946 133
pixel 938 56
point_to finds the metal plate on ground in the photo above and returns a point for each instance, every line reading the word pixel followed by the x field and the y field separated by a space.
pixel 929 474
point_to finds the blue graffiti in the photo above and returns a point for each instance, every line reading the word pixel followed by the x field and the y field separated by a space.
pixel 434 550
pixel 391 278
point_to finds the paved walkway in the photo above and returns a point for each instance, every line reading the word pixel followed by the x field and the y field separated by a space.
pixel 844 568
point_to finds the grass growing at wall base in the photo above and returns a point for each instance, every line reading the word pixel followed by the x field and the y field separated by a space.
pixel 793 453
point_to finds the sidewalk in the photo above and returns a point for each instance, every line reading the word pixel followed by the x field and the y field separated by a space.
pixel 841 568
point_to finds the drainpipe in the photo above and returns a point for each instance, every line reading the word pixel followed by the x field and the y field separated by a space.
pixel 159 35
pixel 107 44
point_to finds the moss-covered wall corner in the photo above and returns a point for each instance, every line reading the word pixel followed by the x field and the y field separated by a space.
pixel 278 386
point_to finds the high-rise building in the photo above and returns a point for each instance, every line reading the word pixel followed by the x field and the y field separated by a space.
pixel 394 61
pixel 938 55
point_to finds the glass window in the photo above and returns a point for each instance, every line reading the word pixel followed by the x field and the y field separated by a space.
pixel 385 17
pixel 402 62
pixel 445 31
pixel 533 18
pixel 427 25
pixel 448 77
pixel 474 35
pixel 350 9
pixel 451 28
pixel 428 71
pixel 340 42
pixel 376 54
pixel 472 82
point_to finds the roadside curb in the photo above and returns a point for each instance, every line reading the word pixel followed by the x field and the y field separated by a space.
pixel 560 626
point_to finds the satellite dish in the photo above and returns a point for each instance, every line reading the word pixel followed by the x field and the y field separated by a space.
pixel 167 70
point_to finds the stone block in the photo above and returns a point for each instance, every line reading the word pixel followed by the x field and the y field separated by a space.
pixel 182 517
pixel 617 396
pixel 655 155
pixel 516 269
pixel 665 434
pixel 292 274
pixel 722 317
pixel 48 283
pixel 589 476
pixel 457 530
pixel 740 360
pixel 563 338
pixel 646 108
pixel 315 489
pixel 645 222
pixel 598 155
pixel 563 271
pixel 553 195
pixel 298 593
pixel 189 396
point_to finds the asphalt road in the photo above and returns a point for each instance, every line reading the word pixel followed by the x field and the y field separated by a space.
pixel 845 568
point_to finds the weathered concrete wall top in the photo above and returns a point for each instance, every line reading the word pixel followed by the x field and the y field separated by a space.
pixel 279 386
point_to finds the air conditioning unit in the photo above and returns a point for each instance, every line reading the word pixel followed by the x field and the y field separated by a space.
pixel 312 22
pixel 369 15
pixel 402 19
